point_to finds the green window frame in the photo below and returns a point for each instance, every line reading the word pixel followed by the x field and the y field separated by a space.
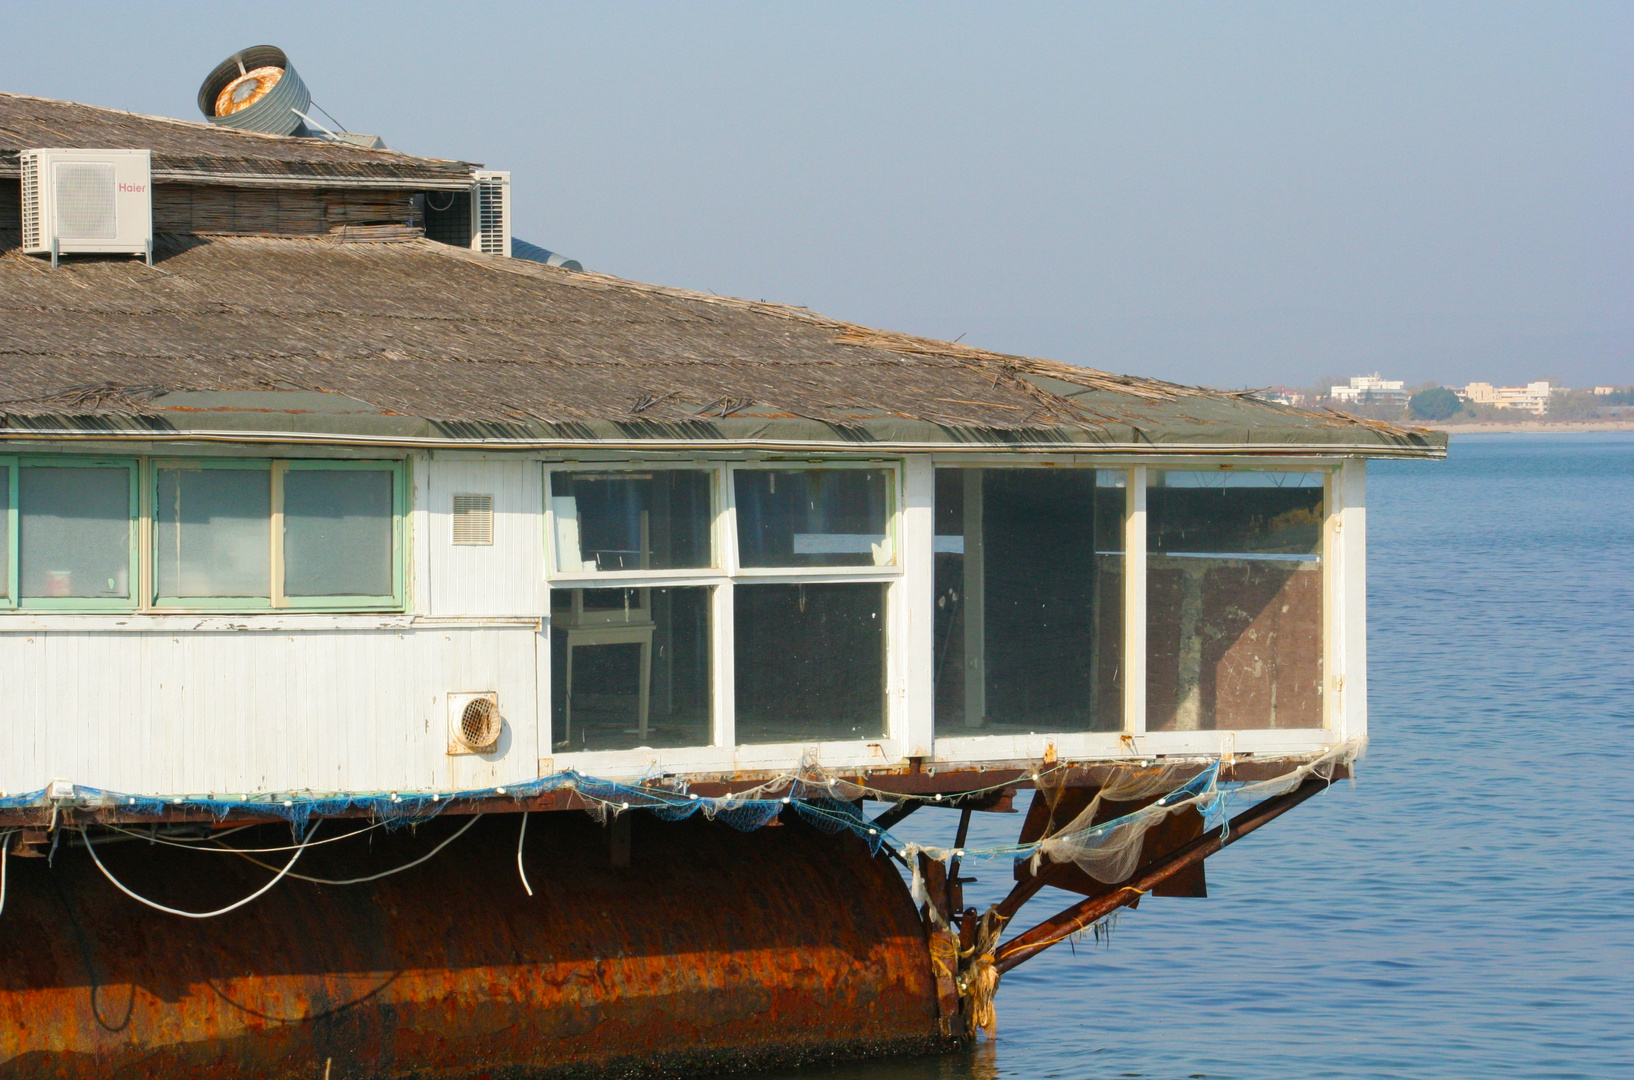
pixel 144 531
pixel 77 603
pixel 8 529
pixel 391 600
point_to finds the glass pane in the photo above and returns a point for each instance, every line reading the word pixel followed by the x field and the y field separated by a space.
pixel 1029 600
pixel 5 533
pixel 1234 600
pixel 814 517
pixel 810 662
pixel 74 532
pixel 629 668
pixel 337 532
pixel 657 520
pixel 213 536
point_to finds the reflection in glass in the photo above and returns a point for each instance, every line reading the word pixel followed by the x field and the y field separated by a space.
pixel 74 532
pixel 1029 600
pixel 814 517
pixel 810 662
pixel 1234 600
pixel 213 537
pixel 338 532
pixel 630 668
pixel 605 521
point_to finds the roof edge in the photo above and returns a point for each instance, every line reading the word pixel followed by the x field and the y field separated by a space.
pixel 99 429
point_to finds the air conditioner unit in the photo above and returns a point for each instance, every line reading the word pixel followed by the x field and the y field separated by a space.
pixel 491 213
pixel 87 201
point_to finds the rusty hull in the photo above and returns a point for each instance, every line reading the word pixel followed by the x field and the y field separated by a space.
pixel 713 949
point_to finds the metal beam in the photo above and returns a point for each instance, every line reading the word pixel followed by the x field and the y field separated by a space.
pixel 1062 926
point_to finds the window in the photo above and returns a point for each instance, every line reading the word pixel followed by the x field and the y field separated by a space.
pixel 631 521
pixel 810 661
pixel 645 599
pixel 8 532
pixel 630 667
pixel 1029 600
pixel 814 517
pixel 1234 600
pixel 213 532
pixel 340 534
pixel 202 533
pixel 75 533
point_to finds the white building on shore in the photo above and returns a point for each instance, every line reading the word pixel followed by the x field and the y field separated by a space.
pixel 1371 388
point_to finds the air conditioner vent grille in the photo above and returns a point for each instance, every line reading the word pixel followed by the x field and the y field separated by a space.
pixel 491 211
pixel 473 520
pixel 84 194
pixel 31 201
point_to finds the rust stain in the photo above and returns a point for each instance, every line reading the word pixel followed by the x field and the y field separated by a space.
pixel 714 949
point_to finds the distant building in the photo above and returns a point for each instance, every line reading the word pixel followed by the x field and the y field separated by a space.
pixel 1604 391
pixel 1371 388
pixel 1533 397
pixel 1282 395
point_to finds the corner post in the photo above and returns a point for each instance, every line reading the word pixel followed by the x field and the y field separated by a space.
pixel 1134 603
pixel 917 619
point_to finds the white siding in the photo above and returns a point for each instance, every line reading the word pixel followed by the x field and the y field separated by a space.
pixel 233 711
pixel 506 577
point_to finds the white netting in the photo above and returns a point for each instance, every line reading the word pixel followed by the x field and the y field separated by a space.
pixel 1110 851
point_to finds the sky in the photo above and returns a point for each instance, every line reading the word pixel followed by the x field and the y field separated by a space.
pixel 1228 194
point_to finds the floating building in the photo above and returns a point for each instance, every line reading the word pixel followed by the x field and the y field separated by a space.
pixel 347 561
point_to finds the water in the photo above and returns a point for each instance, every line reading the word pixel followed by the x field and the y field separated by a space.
pixel 1467 907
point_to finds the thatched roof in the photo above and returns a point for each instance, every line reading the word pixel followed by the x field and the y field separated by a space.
pixel 415 341
pixel 199 152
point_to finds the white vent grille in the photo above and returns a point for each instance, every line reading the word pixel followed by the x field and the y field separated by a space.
pixel 473 520
pixel 474 723
pixel 31 201
pixel 491 213
pixel 83 192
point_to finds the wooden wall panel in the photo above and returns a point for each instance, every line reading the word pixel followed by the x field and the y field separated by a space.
pixel 216 209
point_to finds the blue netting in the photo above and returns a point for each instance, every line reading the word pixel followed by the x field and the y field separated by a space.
pixel 399 809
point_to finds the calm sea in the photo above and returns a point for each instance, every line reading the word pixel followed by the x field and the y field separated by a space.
pixel 1466 908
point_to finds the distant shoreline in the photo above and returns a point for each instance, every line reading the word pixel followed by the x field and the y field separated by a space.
pixel 1534 427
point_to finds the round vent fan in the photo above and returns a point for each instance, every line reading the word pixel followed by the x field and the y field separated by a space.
pixel 256 89
pixel 474 723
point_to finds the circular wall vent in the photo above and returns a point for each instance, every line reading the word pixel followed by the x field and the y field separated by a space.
pixel 474 722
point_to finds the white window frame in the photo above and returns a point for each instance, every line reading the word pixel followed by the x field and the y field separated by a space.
pixel 724 752
pixel 1343 621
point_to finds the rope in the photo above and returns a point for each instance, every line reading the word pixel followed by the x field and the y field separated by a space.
pixel 222 849
pixel 521 836
pixel 5 849
pixel 372 877
pixel 192 914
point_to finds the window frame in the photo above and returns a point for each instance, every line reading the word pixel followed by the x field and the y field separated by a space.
pixel 281 601
pixel 143 554
pixel 1138 724
pixel 797 574
pixel 133 467
pixel 695 575
pixel 9 522
pixel 723 578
